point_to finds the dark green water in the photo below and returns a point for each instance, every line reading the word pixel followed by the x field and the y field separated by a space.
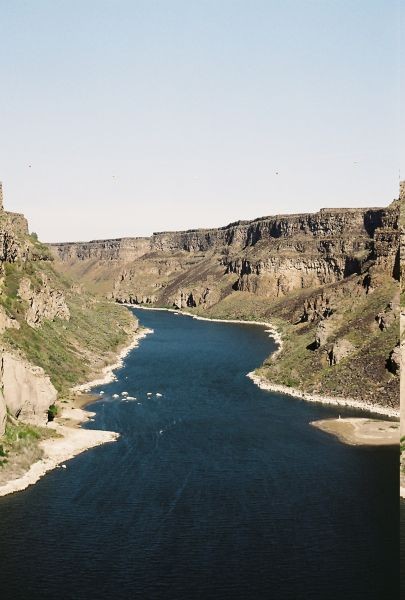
pixel 215 490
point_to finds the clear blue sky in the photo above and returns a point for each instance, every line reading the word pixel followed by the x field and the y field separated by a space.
pixel 124 117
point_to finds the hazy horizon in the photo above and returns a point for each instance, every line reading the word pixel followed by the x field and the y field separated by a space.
pixel 121 119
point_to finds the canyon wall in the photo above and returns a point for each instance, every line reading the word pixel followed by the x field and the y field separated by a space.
pixel 328 223
pixel 330 279
pixel 26 392
pixel 53 335
pixel 271 256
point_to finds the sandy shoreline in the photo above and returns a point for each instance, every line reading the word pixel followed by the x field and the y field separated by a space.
pixel 58 450
pixel 73 439
pixel 265 384
pixel 361 432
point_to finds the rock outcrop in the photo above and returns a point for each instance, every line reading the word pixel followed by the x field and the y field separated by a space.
pixel 339 350
pixel 394 360
pixel 389 315
pixel 270 257
pixel 44 304
pixel 42 353
pixel 323 332
pixel 7 322
pixel 27 391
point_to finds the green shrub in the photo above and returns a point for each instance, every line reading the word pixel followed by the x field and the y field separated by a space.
pixel 52 412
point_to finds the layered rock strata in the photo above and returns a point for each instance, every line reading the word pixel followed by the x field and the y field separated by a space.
pixel 270 257
pixel 309 270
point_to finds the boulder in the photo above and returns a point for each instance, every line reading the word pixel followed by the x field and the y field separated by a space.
pixel 45 304
pixel 394 360
pixel 27 391
pixel 339 350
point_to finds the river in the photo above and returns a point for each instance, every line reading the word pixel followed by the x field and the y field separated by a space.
pixel 215 490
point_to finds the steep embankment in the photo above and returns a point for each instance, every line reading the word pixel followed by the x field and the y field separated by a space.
pixel 329 281
pixel 53 335
pixel 402 328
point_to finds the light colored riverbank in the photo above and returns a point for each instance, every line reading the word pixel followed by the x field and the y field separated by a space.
pixel 265 384
pixel 58 450
pixel 107 374
pixel 270 328
pixel 361 432
pixel 72 439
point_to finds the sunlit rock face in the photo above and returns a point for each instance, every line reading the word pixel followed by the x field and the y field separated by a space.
pixel 270 257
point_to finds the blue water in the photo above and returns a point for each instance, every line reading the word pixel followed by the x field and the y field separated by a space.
pixel 215 490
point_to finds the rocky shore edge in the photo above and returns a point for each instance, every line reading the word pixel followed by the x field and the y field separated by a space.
pixel 108 372
pixel 265 384
pixel 271 329
pixel 376 409
pixel 71 439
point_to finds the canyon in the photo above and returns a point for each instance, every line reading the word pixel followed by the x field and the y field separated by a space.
pixel 329 281
pixel 270 257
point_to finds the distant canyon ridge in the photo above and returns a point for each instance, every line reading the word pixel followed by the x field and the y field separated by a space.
pixel 329 281
pixel 270 257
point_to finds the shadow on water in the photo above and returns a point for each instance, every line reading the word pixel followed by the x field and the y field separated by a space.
pixel 216 489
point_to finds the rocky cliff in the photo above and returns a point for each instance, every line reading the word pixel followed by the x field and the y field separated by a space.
pixel 50 336
pixel 27 390
pixel 325 278
pixel 271 257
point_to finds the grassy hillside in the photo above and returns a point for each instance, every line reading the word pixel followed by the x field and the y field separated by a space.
pixel 70 351
pixel 362 375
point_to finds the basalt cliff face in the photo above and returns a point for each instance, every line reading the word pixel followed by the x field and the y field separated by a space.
pixel 26 391
pixel 329 280
pixel 270 257
pixel 50 337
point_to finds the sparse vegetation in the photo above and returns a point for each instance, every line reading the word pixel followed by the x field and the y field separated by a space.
pixel 71 352
pixel 20 448
pixel 362 375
